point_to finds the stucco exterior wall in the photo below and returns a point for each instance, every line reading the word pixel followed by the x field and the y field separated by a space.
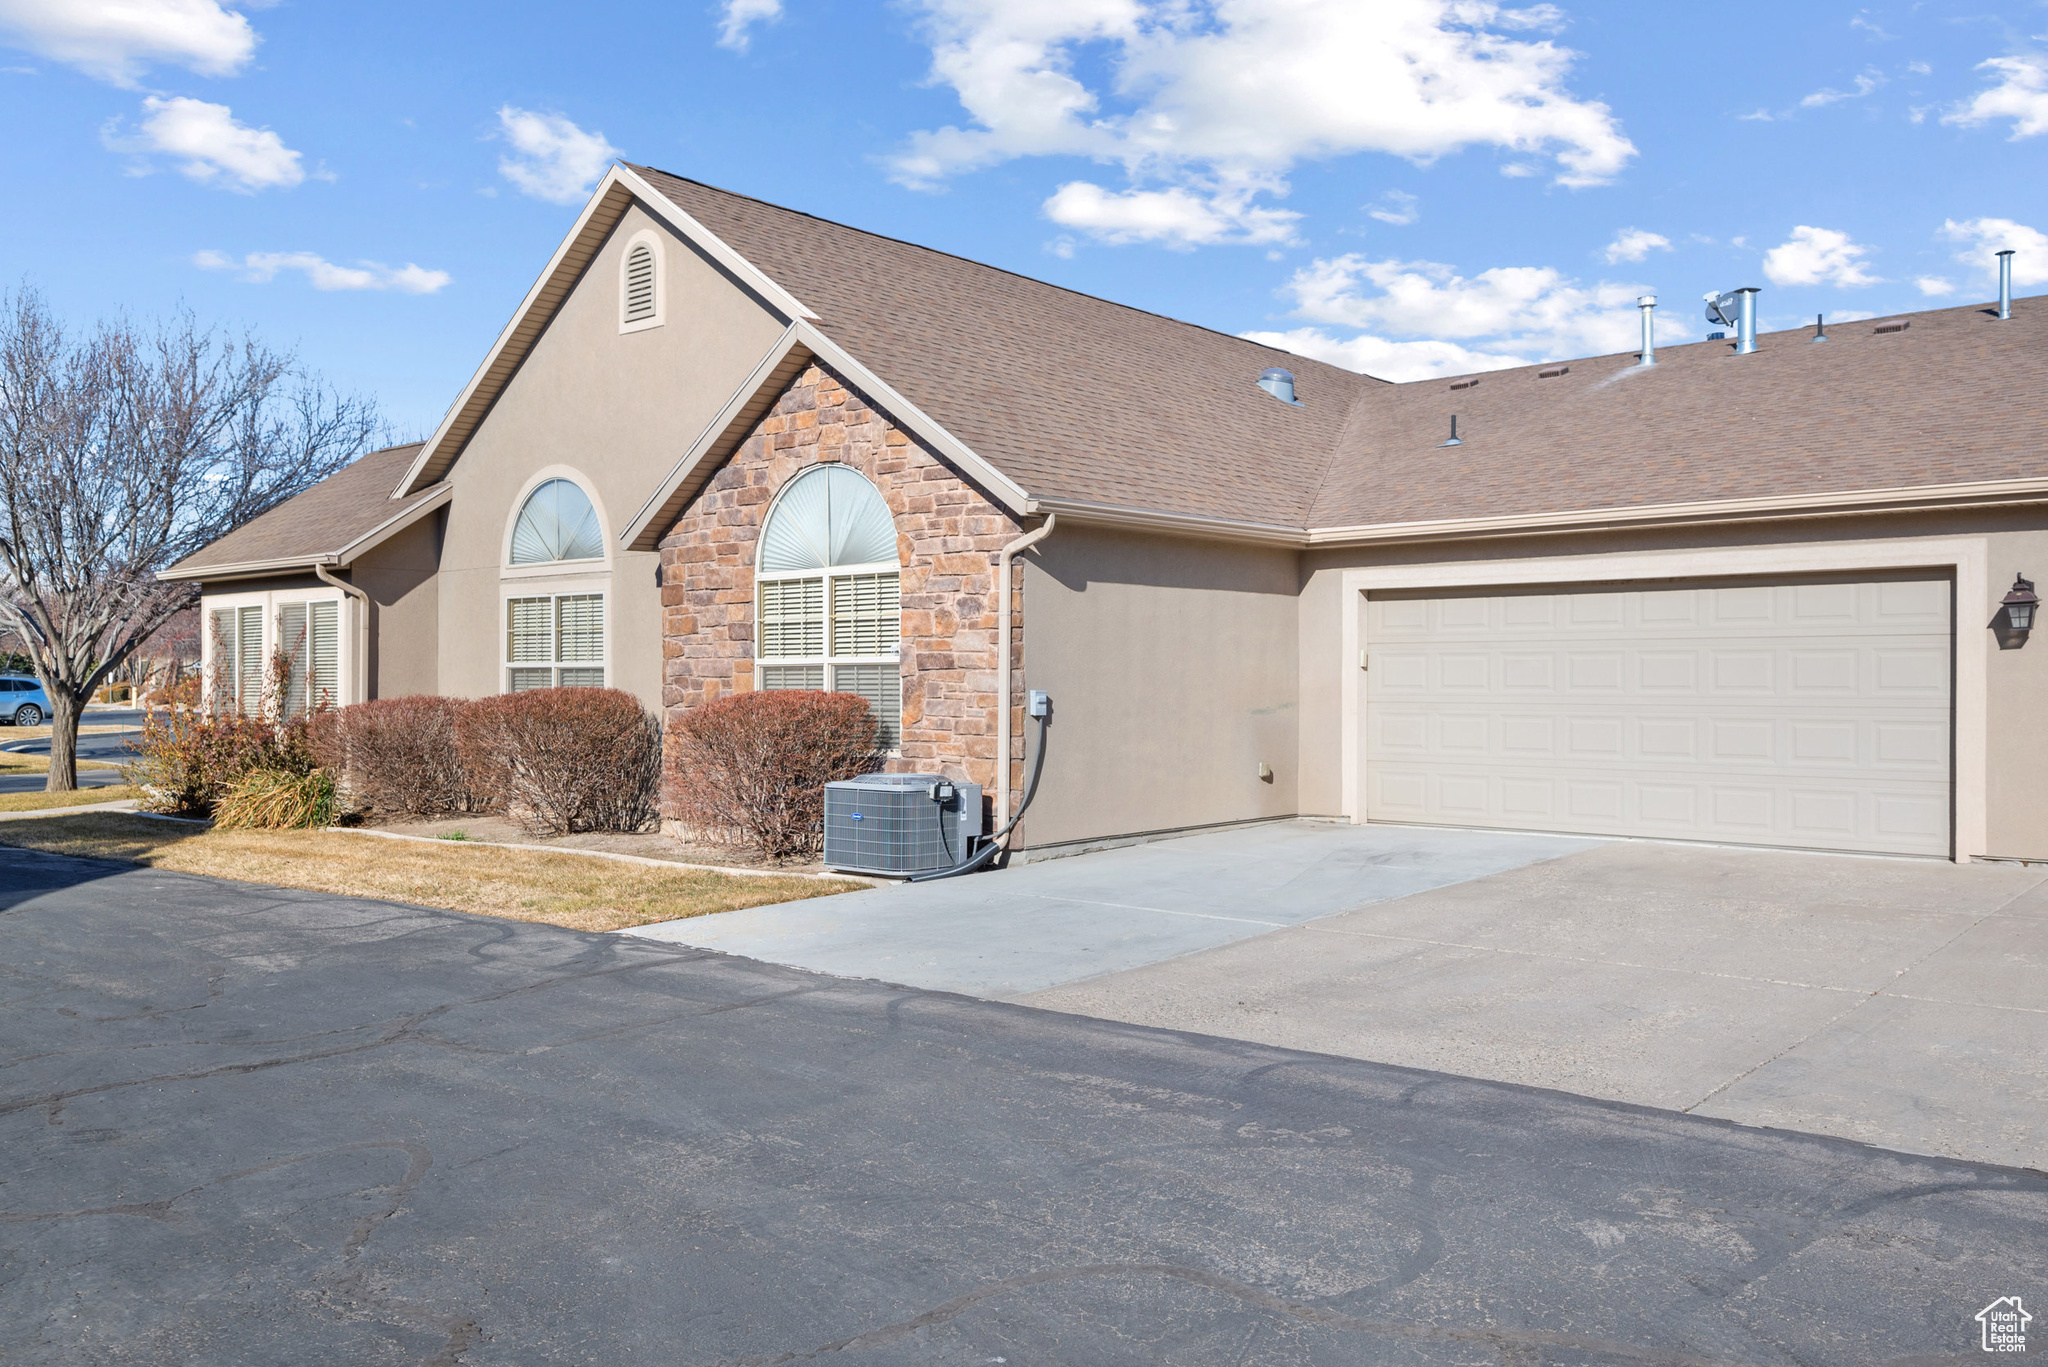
pixel 1173 667
pixel 617 409
pixel 947 534
pixel 405 609
pixel 2013 761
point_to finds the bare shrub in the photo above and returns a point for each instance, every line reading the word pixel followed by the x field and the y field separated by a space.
pixel 564 759
pixel 397 754
pixel 757 764
pixel 186 760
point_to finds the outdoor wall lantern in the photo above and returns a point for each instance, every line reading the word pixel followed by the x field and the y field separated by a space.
pixel 2020 605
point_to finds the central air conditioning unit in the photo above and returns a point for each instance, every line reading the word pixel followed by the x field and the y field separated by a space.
pixel 899 824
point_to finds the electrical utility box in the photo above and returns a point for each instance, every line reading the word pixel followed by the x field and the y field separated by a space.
pixel 899 824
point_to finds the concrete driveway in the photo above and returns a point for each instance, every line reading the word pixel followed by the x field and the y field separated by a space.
pixel 1900 1002
pixel 1035 926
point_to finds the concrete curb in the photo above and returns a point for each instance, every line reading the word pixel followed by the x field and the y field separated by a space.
pixel 126 804
pixel 609 854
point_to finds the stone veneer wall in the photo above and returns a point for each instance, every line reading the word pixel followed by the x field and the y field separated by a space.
pixel 947 536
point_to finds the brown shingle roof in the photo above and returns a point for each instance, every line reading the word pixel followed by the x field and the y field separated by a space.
pixel 1955 398
pixel 1071 396
pixel 317 524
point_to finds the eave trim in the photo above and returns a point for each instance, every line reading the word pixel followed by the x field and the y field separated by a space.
pixel 347 555
pixel 1835 503
pixel 608 203
pixel 800 343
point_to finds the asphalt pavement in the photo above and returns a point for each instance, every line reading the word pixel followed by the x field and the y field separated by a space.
pixel 247 1125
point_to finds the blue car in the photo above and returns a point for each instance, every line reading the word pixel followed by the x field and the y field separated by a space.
pixel 22 701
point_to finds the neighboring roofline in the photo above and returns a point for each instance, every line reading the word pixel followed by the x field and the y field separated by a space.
pixel 799 344
pixel 1912 498
pixel 608 203
pixel 347 555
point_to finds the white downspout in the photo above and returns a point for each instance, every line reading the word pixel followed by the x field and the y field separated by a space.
pixel 362 645
pixel 1004 650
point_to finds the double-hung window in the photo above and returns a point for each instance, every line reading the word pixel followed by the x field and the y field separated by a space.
pixel 554 641
pixel 827 586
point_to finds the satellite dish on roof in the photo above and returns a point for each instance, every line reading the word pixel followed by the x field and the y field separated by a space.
pixel 1724 308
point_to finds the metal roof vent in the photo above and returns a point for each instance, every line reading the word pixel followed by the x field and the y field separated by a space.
pixel 1280 384
pixel 1736 309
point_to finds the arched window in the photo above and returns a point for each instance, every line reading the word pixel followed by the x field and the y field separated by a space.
pixel 556 639
pixel 827 593
pixel 557 523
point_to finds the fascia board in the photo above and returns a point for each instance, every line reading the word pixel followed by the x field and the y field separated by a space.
pixel 244 569
pixel 756 279
pixel 437 498
pixel 1170 524
pixel 1840 503
pixel 614 194
pixel 800 343
pixel 908 415
pixel 607 189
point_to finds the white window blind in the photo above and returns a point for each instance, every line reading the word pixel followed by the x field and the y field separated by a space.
pixel 291 641
pixel 866 618
pixel 792 618
pixel 249 662
pixel 554 641
pixel 323 653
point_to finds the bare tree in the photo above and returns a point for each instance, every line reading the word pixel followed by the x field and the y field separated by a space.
pixel 121 453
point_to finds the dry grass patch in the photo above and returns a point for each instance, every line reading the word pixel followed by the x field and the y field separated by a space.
pixel 35 802
pixel 40 764
pixel 570 890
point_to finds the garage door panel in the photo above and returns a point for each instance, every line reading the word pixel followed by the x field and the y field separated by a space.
pixel 1812 714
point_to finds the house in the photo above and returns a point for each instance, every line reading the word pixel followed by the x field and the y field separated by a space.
pixel 721 445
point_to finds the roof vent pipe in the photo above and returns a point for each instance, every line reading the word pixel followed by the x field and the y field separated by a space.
pixel 2005 283
pixel 1820 328
pixel 1648 304
pixel 1745 321
pixel 1280 384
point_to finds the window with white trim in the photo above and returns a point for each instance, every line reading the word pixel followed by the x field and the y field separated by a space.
pixel 244 646
pixel 554 641
pixel 827 594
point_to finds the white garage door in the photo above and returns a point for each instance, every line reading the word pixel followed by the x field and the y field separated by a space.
pixel 1811 714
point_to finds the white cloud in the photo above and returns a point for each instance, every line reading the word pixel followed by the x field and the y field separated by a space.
pixel 1418 360
pixel 1174 217
pixel 117 40
pixel 1818 256
pixel 211 145
pixel 1935 286
pixel 1867 82
pixel 2021 94
pixel 740 15
pixel 1397 207
pixel 1919 69
pixel 1633 244
pixel 551 158
pixel 1983 238
pixel 1221 98
pixel 1870 26
pixel 1421 313
pixel 262 267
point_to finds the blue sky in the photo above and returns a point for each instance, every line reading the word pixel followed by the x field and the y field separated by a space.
pixel 1410 187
